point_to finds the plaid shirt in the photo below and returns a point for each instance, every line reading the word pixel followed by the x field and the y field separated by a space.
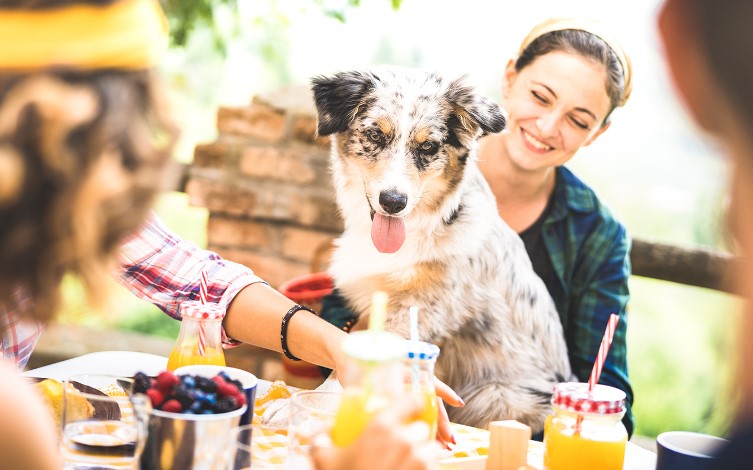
pixel 589 251
pixel 156 266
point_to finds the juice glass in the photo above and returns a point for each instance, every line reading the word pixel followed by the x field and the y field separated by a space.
pixel 585 430
pixel 199 340
pixel 419 368
pixel 372 378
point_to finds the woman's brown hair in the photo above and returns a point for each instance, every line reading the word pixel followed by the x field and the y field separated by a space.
pixel 81 156
pixel 586 45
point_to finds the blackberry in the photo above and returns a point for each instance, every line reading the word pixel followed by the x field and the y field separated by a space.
pixel 224 375
pixel 206 384
pixel 224 405
pixel 185 395
pixel 141 382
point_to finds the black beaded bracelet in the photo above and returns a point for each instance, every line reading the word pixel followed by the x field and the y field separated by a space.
pixel 284 329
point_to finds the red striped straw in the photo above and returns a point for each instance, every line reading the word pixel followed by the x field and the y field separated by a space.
pixel 603 351
pixel 601 357
pixel 203 297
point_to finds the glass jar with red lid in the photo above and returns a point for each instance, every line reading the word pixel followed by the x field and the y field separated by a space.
pixel 586 429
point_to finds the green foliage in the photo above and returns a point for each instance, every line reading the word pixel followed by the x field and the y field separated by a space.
pixel 680 340
pixel 187 16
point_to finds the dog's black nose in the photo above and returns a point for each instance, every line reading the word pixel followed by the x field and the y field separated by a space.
pixel 392 201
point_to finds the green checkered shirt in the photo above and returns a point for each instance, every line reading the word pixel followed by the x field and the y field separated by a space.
pixel 589 251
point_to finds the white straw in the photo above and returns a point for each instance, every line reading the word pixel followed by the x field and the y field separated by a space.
pixel 413 318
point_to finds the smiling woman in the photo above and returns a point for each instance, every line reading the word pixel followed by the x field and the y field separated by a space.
pixel 559 91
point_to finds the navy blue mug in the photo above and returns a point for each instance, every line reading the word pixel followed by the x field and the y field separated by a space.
pixel 681 450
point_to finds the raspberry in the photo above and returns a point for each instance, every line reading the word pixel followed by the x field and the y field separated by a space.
pixel 155 396
pixel 240 398
pixel 172 406
pixel 218 380
pixel 237 384
pixel 166 381
pixel 225 389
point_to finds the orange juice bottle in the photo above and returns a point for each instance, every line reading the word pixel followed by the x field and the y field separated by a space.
pixel 373 379
pixel 419 373
pixel 586 429
pixel 199 340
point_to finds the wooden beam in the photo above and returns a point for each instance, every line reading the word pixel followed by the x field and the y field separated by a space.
pixel 700 267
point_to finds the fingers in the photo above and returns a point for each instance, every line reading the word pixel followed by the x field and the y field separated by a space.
pixel 403 411
pixel 444 432
pixel 408 448
pixel 447 394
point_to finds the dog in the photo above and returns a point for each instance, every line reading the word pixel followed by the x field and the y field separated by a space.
pixel 421 224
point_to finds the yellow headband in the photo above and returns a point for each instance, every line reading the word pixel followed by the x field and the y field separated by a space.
pixel 127 34
pixel 589 26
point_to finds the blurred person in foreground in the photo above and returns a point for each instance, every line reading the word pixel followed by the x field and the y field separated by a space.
pixel 709 49
pixel 84 138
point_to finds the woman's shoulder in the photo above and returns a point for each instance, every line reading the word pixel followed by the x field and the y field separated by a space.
pixel 582 199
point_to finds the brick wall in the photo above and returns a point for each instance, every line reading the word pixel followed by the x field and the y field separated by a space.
pixel 267 185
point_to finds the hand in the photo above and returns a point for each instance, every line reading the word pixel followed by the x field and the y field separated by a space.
pixel 387 443
pixel 444 392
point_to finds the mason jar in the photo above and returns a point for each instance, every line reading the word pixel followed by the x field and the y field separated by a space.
pixel 585 430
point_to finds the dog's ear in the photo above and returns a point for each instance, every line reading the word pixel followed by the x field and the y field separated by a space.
pixel 337 99
pixel 469 104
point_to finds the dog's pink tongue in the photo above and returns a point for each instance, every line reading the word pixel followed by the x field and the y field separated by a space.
pixel 387 233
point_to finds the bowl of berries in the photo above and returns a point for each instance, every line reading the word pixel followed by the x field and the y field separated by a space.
pixel 191 417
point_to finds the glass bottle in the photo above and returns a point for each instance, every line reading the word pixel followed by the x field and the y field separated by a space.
pixel 586 430
pixel 200 338
pixel 419 362
pixel 373 377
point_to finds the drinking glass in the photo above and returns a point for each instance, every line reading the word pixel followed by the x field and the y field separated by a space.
pixel 312 413
pixel 102 427
pixel 258 446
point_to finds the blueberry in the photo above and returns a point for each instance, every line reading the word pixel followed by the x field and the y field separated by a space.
pixel 189 381
pixel 210 399
pixel 224 375
pixel 195 407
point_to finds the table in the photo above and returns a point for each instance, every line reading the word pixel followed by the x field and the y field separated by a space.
pixel 128 363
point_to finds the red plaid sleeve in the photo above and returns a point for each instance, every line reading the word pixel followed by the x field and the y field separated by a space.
pixel 161 268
